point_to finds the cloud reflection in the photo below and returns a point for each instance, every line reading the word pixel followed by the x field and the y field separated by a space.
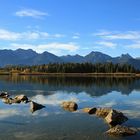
pixel 129 105
pixel 59 97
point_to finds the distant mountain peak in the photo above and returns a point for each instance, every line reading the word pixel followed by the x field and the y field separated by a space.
pixel 97 57
pixel 30 57
pixel 24 50
pixel 126 56
pixel 94 52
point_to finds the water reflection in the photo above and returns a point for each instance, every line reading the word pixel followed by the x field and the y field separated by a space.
pixel 129 104
pixel 94 86
pixel 52 122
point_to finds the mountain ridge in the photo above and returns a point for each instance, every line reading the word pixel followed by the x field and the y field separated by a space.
pixel 31 57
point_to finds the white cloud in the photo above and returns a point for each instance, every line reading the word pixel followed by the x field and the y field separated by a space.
pixel 51 47
pixel 126 39
pixel 107 44
pixel 8 35
pixel 23 46
pixel 63 46
pixel 76 36
pixel 124 36
pixel 28 35
pixel 135 45
pixel 58 35
pixel 118 35
pixel 102 33
pixel 31 13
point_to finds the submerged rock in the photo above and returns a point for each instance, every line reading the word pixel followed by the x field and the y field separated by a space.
pixel 119 130
pixel 115 117
pixel 69 106
pixel 35 106
pixel 89 110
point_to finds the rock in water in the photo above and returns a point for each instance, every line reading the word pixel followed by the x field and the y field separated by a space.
pixel 35 106
pixel 102 112
pixel 119 130
pixel 7 100
pixel 69 106
pixel 115 117
pixel 4 95
pixel 21 98
pixel 89 110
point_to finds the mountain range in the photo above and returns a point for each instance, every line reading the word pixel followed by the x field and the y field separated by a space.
pixel 30 57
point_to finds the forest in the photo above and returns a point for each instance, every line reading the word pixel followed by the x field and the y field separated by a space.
pixel 73 68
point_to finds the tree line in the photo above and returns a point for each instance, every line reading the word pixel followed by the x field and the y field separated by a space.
pixel 74 68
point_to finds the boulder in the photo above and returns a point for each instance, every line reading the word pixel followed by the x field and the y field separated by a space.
pixel 102 112
pixel 89 110
pixel 7 100
pixel 21 98
pixel 16 101
pixel 115 117
pixel 35 106
pixel 69 105
pixel 119 130
pixel 4 95
pixel 10 101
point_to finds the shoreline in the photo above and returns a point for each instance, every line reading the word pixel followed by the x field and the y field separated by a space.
pixel 75 74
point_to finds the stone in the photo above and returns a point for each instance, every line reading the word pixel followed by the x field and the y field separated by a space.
pixel 4 95
pixel 7 100
pixel 10 101
pixel 89 110
pixel 21 98
pixel 115 117
pixel 35 106
pixel 102 112
pixel 16 101
pixel 69 105
pixel 119 130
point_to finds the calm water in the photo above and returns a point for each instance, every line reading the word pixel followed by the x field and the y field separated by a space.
pixel 52 122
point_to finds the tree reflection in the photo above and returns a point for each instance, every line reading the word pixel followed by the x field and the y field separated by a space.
pixel 95 86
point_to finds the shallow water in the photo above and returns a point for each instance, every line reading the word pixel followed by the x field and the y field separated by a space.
pixel 54 123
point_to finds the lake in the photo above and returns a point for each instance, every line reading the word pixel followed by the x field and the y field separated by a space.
pixel 54 123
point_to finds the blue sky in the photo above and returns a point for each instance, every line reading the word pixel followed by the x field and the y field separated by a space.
pixel 71 26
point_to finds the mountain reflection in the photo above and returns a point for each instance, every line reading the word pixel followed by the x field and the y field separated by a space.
pixel 95 86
